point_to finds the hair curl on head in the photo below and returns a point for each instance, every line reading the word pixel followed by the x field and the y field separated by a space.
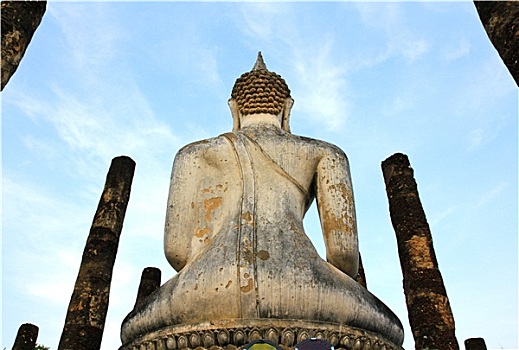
pixel 260 91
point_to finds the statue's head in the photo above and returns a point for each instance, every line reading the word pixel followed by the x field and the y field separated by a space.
pixel 261 92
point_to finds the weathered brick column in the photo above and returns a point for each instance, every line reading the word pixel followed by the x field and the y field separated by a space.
pixel 150 282
pixel 475 344
pixel 361 277
pixel 501 22
pixel 26 337
pixel 88 306
pixel 430 315
pixel 20 19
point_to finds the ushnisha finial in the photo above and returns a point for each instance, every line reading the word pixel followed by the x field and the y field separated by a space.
pixel 260 64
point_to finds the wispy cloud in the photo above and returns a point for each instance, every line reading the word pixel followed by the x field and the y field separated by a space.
pixel 93 44
pixel 100 113
pixel 410 47
pixel 318 81
pixel 438 217
pixel 322 87
pixel 389 20
pixel 93 117
pixel 476 138
pixel 457 50
pixel 41 235
pixel 398 105
pixel 491 195
pixel 265 21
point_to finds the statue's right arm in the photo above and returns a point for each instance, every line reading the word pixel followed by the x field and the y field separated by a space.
pixel 335 204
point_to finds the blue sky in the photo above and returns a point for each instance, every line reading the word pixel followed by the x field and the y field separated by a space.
pixel 101 80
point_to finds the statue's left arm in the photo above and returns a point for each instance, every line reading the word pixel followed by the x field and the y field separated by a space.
pixel 180 213
pixel 336 208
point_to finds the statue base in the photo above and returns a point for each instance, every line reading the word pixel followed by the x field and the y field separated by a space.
pixel 234 334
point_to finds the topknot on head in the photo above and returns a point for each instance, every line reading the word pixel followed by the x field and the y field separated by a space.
pixel 260 64
pixel 260 91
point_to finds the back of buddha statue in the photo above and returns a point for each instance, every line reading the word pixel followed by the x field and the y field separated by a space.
pixel 234 226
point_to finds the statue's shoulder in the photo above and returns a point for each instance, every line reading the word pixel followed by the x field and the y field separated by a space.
pixel 212 143
pixel 213 151
pixel 322 147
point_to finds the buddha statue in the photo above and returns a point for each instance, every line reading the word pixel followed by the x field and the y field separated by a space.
pixel 234 228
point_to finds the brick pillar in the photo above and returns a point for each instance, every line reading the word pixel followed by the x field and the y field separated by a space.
pixel 501 22
pixel 26 337
pixel 88 306
pixel 475 344
pixel 20 19
pixel 361 277
pixel 430 315
pixel 150 282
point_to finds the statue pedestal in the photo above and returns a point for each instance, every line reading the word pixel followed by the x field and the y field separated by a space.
pixel 234 334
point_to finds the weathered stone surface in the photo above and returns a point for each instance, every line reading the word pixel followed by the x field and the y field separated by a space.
pixel 20 19
pixel 234 231
pixel 475 344
pixel 150 282
pixel 86 315
pixel 501 22
pixel 429 311
pixel 26 337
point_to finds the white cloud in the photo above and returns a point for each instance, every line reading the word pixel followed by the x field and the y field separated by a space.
pixel 94 132
pixel 411 48
pixel 389 20
pixel 322 83
pixel 265 21
pixel 484 88
pixel 90 32
pixel 460 49
pixel 436 218
pixel 476 137
pixel 55 287
pixel 196 59
pixel 39 210
pixel 398 105
pixel 380 15
pixel 43 238
pixel 491 195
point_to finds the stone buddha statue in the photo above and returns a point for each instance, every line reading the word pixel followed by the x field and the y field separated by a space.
pixel 234 230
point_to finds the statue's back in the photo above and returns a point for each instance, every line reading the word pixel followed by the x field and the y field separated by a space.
pixel 234 228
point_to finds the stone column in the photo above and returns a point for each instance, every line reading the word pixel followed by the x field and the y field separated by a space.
pixel 20 19
pixel 150 282
pixel 361 277
pixel 501 22
pixel 86 313
pixel 475 344
pixel 430 315
pixel 26 337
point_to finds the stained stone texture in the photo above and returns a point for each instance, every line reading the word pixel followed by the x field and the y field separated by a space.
pixel 20 19
pixel 234 232
pixel 86 315
pixel 26 337
pixel 501 22
pixel 430 314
